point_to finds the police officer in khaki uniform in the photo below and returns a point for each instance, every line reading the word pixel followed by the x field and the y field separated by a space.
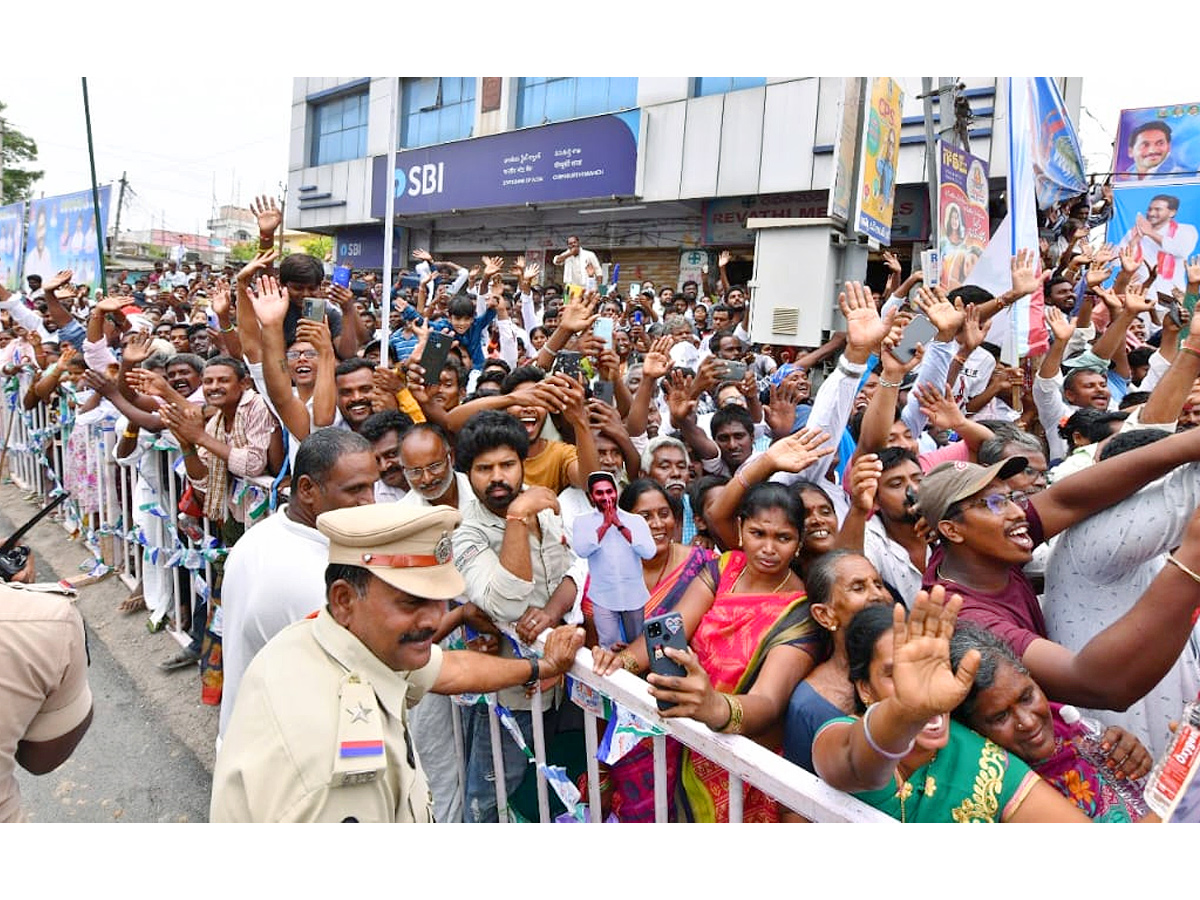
pixel 319 732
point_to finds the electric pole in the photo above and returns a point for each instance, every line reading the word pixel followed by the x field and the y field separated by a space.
pixel 117 223
pixel 2 126
pixel 282 211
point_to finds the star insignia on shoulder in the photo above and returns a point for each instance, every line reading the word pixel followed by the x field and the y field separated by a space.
pixel 360 713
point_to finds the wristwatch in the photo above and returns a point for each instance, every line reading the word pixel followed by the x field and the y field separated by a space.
pixel 535 673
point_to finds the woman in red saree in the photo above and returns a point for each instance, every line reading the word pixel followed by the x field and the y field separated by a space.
pixel 752 641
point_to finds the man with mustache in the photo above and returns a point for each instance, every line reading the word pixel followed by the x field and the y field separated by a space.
pixel 614 543
pixel 385 430
pixel 511 551
pixel 273 576
pixel 320 731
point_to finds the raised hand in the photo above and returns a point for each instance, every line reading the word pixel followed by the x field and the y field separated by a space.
pixel 99 382
pixel 1135 300
pixel 143 381
pixel 53 284
pixel 579 316
pixel 111 304
pixel 780 411
pixel 423 256
pixel 492 265
pixel 137 348
pixel 531 273
pixel 798 451
pixel 944 315
pixel 1131 259
pixel 973 333
pixel 316 333
pixel 864 328
pixel 925 684
pixel 1025 279
pixel 186 422
pixel 220 297
pixel 940 409
pixel 723 259
pixel 864 481
pixel 679 397
pixel 1060 326
pixel 271 304
pixel 268 214
pixel 657 362
pixel 889 260
pixel 518 266
pixel 261 261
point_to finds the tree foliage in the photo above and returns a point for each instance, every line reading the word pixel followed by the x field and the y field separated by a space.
pixel 18 149
pixel 320 246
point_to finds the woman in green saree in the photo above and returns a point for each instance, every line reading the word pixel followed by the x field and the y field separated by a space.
pixel 904 756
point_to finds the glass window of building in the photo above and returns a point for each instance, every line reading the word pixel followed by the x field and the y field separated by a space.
pixel 339 129
pixel 708 86
pixel 542 100
pixel 436 110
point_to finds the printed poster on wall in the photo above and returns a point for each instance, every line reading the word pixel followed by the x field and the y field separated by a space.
pixel 844 151
pixel 877 162
pixel 962 212
pixel 12 235
pixel 1158 144
pixel 62 235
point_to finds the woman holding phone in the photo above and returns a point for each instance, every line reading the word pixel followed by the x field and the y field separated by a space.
pixel 752 641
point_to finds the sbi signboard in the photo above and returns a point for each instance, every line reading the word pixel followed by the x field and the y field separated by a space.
pixel 577 160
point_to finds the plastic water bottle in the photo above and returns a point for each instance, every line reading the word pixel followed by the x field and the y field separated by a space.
pixel 1172 773
pixel 1088 737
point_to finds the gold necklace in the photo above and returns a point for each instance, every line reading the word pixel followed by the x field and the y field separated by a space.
pixel 786 576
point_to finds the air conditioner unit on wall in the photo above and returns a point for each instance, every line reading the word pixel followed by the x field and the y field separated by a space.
pixel 794 289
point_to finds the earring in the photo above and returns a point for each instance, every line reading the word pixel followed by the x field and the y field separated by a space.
pixel 833 627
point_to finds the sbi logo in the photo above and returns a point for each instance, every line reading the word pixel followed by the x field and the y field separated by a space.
pixel 422 180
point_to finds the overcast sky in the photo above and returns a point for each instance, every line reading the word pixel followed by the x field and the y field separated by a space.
pixel 187 144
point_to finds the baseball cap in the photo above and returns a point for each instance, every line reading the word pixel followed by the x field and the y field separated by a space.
pixel 950 482
pixel 409 547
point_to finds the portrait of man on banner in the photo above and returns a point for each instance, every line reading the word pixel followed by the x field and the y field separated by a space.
pixel 1161 223
pixel 962 213
pixel 1160 144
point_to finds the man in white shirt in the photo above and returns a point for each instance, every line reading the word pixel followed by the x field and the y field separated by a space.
pixel 614 543
pixel 275 575
pixel 575 261
pixel 1163 242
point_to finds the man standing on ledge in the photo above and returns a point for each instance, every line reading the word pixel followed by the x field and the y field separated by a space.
pixel 575 262
pixel 319 732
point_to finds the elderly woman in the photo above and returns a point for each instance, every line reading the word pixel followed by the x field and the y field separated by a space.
pixel 1007 707
pixel 904 755
pixel 840 585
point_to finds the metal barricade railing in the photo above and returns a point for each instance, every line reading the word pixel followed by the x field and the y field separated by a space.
pixel 745 761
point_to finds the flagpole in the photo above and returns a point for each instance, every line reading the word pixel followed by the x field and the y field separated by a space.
pixel 100 235
pixel 389 220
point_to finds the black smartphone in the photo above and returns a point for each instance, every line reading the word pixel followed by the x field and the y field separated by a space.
pixel 919 331
pixel 734 370
pixel 433 357
pixel 605 392
pixel 1174 315
pixel 665 631
pixel 314 309
pixel 566 362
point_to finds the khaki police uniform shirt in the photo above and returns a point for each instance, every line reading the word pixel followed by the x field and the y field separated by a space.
pixel 44 691
pixel 277 757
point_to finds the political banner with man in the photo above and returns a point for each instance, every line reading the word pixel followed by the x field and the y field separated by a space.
pixel 876 195
pixel 12 233
pixel 1160 144
pixel 1163 223
pixel 62 235
pixel 962 213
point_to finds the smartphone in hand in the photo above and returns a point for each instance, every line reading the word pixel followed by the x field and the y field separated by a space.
pixel 665 631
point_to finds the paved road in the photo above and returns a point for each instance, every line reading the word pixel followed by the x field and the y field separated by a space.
pixel 129 767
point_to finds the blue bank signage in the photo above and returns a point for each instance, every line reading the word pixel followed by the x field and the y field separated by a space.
pixel 587 158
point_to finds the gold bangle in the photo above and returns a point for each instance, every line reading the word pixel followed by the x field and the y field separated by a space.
pixel 231 328
pixel 629 662
pixel 131 435
pixel 1184 348
pixel 1182 568
pixel 734 725
pixel 522 519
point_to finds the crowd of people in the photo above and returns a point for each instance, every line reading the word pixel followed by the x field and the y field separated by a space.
pixel 893 566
